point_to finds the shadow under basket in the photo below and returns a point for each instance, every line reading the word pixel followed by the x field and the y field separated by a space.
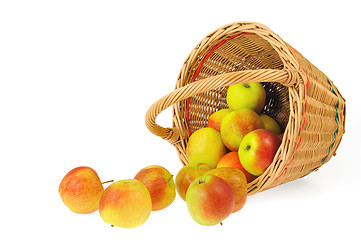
pixel 302 99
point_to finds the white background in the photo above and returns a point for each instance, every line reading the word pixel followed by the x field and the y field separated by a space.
pixel 77 78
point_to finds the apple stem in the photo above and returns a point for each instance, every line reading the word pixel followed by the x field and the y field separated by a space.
pixel 112 225
pixel 108 181
pixel 221 223
pixel 201 181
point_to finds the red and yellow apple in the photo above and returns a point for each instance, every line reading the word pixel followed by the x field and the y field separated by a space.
pixel 81 190
pixel 246 95
pixel 231 159
pixel 214 121
pixel 160 185
pixel 187 175
pixel 236 125
pixel 209 200
pixel 125 203
pixel 257 150
pixel 205 146
pixel 236 179
pixel 270 124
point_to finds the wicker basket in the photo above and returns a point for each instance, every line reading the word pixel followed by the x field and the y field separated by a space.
pixel 306 103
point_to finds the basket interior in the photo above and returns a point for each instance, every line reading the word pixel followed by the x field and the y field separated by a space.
pixel 244 52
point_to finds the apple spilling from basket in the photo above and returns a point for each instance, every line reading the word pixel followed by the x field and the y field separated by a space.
pixel 236 147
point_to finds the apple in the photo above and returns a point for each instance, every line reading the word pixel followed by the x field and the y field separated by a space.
pixel 236 179
pixel 125 203
pixel 257 150
pixel 209 200
pixel 205 146
pixel 214 121
pixel 231 159
pixel 187 175
pixel 236 125
pixel 81 190
pixel 246 95
pixel 270 124
pixel 160 185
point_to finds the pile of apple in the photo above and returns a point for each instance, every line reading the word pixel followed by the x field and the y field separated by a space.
pixel 124 203
pixel 237 145
pixel 240 144
pixel 238 129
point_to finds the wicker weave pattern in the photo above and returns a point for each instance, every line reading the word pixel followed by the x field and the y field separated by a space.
pixel 299 97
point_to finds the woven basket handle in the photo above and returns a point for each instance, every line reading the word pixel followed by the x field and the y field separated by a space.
pixel 285 77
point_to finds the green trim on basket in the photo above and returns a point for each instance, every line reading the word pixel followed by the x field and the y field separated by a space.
pixel 329 148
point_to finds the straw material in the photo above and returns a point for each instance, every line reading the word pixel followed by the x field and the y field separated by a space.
pixel 301 98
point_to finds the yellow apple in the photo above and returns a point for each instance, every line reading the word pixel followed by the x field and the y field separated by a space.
pixel 246 95
pixel 236 125
pixel 205 146
pixel 160 185
pixel 214 121
pixel 270 124
pixel 81 190
pixel 125 203
pixel 186 176
pixel 257 150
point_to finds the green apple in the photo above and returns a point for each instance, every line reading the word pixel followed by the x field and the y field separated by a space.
pixel 246 95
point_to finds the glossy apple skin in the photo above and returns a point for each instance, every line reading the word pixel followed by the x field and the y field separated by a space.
pixel 236 179
pixel 270 124
pixel 187 175
pixel 205 146
pixel 236 125
pixel 160 185
pixel 214 121
pixel 125 203
pixel 257 150
pixel 81 190
pixel 210 200
pixel 246 95
pixel 231 159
